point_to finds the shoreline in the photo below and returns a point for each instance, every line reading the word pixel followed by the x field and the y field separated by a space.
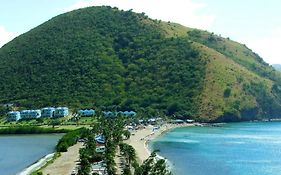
pixel 54 166
pixel 37 165
pixel 141 138
pixel 32 158
pixel 65 163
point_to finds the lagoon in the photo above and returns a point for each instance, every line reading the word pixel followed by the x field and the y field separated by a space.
pixel 20 151
pixel 248 148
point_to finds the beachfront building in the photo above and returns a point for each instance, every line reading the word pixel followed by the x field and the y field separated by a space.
pixel 178 121
pixel 108 114
pixel 100 139
pixel 13 116
pixel 98 168
pixel 152 121
pixel 86 112
pixel 129 113
pixel 190 121
pixel 61 112
pixel 100 149
pixel 47 112
pixel 119 113
pixel 30 114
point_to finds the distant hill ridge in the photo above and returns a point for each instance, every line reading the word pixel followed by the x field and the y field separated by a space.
pixel 105 58
pixel 277 66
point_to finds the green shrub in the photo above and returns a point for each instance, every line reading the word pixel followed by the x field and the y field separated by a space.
pixel 30 130
pixel 227 92
pixel 69 139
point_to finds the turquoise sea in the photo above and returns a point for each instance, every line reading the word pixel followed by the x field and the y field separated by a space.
pixel 20 151
pixel 233 149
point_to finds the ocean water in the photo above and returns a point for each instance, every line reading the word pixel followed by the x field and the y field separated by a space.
pixel 234 149
pixel 20 151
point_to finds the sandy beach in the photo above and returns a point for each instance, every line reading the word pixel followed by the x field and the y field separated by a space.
pixel 65 163
pixel 37 165
pixel 141 137
pixel 139 140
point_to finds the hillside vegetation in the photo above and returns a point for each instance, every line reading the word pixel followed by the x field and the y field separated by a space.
pixel 102 57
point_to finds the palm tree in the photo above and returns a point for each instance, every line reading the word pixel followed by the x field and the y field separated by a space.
pixel 151 166
pixel 127 134
pixel 129 153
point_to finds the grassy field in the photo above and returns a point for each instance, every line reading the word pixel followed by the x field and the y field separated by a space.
pixel 61 123
pixel 223 73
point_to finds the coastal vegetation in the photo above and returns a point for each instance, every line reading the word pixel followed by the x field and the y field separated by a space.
pixel 124 65
pixel 110 59
pixel 30 130
pixel 70 138
pixel 153 167
pixel 39 172
pixel 51 125
pixel 114 60
pixel 113 130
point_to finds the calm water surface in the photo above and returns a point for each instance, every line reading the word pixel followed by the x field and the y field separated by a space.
pixel 234 149
pixel 20 151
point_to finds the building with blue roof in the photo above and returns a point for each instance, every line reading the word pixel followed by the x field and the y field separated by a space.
pixel 61 112
pixel 119 113
pixel 30 114
pixel 47 112
pixel 100 139
pixel 133 113
pixel 13 116
pixel 129 113
pixel 86 112
pixel 109 114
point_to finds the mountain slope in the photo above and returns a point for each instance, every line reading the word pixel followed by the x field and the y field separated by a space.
pixel 101 57
pixel 119 60
pixel 254 86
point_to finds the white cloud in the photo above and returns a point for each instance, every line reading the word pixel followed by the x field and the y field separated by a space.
pixel 184 12
pixel 6 36
pixel 268 47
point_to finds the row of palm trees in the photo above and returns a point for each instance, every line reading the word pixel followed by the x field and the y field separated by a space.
pixel 114 132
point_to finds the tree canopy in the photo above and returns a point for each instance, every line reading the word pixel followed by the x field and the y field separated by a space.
pixel 102 57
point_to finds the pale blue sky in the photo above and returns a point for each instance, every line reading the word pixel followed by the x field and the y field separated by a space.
pixel 256 23
pixel 243 18
pixel 22 15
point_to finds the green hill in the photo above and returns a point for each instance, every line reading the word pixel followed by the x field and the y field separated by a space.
pixel 110 59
